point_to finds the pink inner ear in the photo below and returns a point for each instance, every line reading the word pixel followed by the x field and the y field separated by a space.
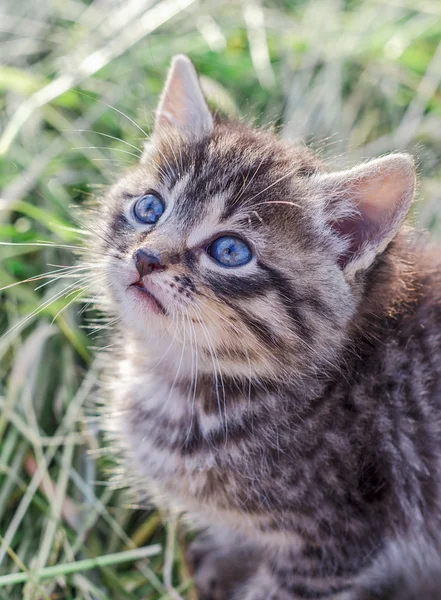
pixel 381 193
pixel 359 230
pixel 356 231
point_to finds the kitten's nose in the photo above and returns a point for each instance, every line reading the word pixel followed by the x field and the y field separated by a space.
pixel 145 262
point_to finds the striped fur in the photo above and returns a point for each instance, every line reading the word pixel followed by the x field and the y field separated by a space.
pixel 295 406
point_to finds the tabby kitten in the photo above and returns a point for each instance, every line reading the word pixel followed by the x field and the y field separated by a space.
pixel 276 368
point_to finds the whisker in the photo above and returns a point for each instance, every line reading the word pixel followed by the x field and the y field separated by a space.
pixel 65 276
pixel 37 311
pixel 113 137
pixel 215 363
pixel 80 293
pixel 245 187
pixel 268 187
pixel 42 244
pixel 115 109
pixel 181 358
pixel 194 375
pixel 170 145
pixel 105 148
pixel 241 334
pixel 280 202
pixel 103 237
pixel 37 277
pixel 113 160
pixel 107 325
pixel 172 341
pixel 192 379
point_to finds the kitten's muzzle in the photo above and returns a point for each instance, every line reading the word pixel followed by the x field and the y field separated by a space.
pixel 146 262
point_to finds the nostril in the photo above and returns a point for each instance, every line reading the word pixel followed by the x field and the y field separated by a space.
pixel 145 262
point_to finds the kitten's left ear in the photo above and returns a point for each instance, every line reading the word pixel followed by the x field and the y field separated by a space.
pixel 182 104
pixel 366 205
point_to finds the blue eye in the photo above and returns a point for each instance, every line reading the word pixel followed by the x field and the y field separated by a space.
pixel 230 251
pixel 148 209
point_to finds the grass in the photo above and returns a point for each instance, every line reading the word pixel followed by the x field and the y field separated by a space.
pixel 354 79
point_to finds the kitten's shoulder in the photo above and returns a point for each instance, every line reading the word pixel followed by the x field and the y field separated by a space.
pixel 406 284
pixel 399 313
pixel 422 265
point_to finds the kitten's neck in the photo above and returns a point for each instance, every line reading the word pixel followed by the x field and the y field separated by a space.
pixel 388 292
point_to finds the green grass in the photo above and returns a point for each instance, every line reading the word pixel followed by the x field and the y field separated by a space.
pixel 354 79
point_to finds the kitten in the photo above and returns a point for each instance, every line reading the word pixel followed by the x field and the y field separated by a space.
pixel 276 370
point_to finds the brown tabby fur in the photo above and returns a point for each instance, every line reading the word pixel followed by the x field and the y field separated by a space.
pixel 308 437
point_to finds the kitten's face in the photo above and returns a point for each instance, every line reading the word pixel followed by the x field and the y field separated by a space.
pixel 229 251
pixel 244 275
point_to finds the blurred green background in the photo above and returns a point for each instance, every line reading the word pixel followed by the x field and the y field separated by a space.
pixel 353 79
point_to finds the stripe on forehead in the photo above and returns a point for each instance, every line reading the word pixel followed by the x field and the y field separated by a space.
pixel 201 193
pixel 205 221
pixel 234 164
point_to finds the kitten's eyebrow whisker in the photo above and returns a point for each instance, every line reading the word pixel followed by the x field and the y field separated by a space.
pixel 104 233
pixel 289 174
pixel 279 202
pixel 170 145
pixel 167 163
pixel 247 185
pixel 113 137
pixel 115 109
pixel 167 137
pixel 125 163
pixel 159 168
pixel 106 148
pixel 127 117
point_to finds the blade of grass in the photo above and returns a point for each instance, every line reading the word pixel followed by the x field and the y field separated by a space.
pixel 148 22
pixel 81 565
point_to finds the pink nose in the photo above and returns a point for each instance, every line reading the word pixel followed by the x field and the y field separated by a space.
pixel 145 262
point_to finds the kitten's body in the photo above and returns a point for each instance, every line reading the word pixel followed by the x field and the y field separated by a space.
pixel 298 405
pixel 345 469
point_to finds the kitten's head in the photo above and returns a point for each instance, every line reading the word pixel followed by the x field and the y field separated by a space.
pixel 235 250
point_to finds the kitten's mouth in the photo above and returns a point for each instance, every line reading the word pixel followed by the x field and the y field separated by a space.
pixel 140 288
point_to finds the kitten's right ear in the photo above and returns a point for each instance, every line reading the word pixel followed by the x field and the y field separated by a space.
pixel 183 106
